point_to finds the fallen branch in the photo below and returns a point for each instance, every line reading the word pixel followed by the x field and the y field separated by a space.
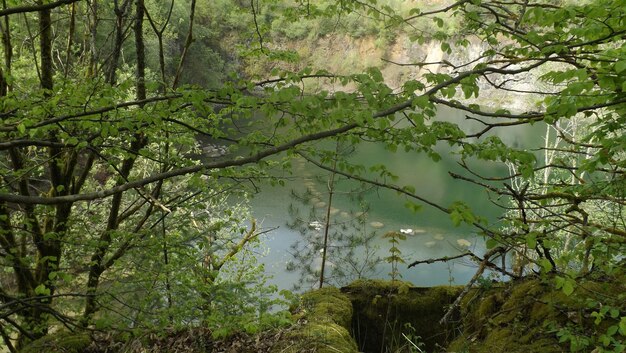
pixel 481 268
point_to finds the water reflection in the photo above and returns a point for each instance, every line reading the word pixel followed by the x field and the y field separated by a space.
pixel 431 235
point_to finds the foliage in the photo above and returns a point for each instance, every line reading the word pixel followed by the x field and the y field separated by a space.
pixel 350 254
pixel 395 254
pixel 334 241
pixel 102 179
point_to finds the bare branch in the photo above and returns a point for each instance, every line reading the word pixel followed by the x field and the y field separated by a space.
pixel 483 265
pixel 35 8
pixel 442 259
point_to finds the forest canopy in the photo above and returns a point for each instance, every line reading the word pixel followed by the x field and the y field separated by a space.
pixel 114 216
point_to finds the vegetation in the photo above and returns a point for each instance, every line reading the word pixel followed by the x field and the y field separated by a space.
pixel 387 313
pixel 113 216
pixel 525 316
pixel 337 245
pixel 325 315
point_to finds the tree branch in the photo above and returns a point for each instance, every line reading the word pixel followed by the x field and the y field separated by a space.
pixel 35 8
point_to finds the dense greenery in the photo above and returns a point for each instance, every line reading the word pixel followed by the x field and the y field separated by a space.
pixel 113 216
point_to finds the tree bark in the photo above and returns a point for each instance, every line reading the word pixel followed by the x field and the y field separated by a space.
pixel 139 141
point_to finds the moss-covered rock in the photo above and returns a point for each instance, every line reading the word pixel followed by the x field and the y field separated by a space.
pixel 318 338
pixel 524 316
pixel 384 311
pixel 325 316
pixel 506 318
pixel 59 342
pixel 327 305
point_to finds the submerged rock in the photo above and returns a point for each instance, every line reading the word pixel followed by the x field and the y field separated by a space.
pixel 376 225
pixel 463 243
pixel 320 204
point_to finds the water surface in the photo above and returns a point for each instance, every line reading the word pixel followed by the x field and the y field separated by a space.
pixel 433 236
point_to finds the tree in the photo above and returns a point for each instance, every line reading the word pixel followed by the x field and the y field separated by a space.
pixel 75 124
pixel 336 246
pixel 80 130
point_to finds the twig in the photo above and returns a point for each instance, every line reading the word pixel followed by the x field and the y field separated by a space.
pixel 443 259
pixel 483 265
pixel 411 342
pixel 256 27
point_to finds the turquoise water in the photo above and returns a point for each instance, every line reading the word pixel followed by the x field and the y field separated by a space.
pixel 433 236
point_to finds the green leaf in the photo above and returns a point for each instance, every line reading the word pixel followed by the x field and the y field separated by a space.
pixel 409 188
pixel 598 317
pixel 421 101
pixel 545 265
pixel 403 289
pixel 491 243
pixel 567 285
pixel 461 212
pixel 413 206
pixel 614 313
pixel 531 240
pixel 568 288
pixel 446 48
pixel 42 290
pixel 102 323
pixel 620 66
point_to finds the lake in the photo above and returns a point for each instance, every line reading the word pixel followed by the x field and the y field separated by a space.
pixel 433 236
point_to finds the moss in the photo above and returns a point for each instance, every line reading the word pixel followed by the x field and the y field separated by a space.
pixel 325 316
pixel 478 306
pixel 513 318
pixel 384 310
pixel 319 338
pixel 59 342
pixel 328 305
pixel 508 340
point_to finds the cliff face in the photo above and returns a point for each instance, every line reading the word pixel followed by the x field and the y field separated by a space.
pixel 399 59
